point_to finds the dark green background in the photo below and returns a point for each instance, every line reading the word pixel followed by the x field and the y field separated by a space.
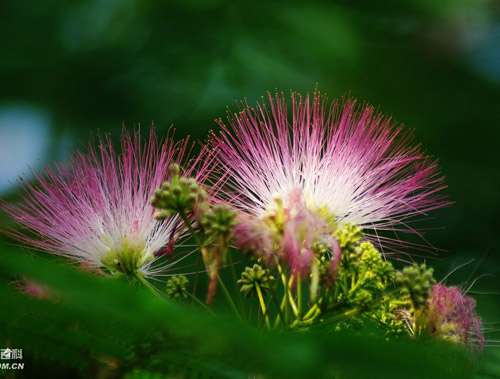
pixel 433 65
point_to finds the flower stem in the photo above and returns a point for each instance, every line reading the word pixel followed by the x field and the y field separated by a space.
pixel 280 316
pixel 284 301
pixel 291 301
pixel 228 297
pixel 312 312
pixel 189 225
pixel 346 314
pixel 299 295
pixel 148 285
pixel 262 305
pixel 201 303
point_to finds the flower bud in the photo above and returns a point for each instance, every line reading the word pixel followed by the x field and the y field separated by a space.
pixel 254 277
pixel 176 287
pixel 416 282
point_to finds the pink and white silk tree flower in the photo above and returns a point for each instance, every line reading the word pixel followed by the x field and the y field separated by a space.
pixel 349 161
pixel 302 230
pixel 452 316
pixel 291 235
pixel 97 210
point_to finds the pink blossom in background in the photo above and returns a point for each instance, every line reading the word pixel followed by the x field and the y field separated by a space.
pixel 34 289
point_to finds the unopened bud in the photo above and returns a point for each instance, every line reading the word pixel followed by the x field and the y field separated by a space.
pixel 176 287
pixel 254 277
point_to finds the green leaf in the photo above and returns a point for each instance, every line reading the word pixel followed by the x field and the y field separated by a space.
pixel 95 323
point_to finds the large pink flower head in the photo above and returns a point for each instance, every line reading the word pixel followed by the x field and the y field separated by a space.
pixel 347 160
pixel 97 210
pixel 452 316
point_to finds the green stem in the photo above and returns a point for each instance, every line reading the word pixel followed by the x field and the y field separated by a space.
pixel 201 303
pixel 199 267
pixel 228 297
pixel 235 278
pixel 349 313
pixel 284 301
pixel 284 306
pixel 262 305
pixel 189 225
pixel 148 285
pixel 311 311
pixel 355 284
pixel 290 298
pixel 280 316
pixel 299 295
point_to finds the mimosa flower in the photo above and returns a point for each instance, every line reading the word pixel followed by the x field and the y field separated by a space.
pixel 348 161
pixel 97 210
pixel 252 234
pixel 302 231
pixel 452 316
pixel 290 235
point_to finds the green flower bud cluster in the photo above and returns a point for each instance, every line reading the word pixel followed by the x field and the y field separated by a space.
pixel 176 287
pixel 216 226
pixel 391 314
pixel 327 216
pixel 321 250
pixel 218 222
pixel 366 282
pixel 255 278
pixel 415 283
pixel 179 195
pixel 324 255
pixel 363 274
pixel 210 225
pixel 367 288
pixel 348 236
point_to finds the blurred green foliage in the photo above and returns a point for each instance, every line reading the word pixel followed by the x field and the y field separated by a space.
pixel 101 327
pixel 98 64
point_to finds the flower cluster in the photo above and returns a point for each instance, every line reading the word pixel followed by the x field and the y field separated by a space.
pixel 311 196
pixel 288 235
pixel 211 223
